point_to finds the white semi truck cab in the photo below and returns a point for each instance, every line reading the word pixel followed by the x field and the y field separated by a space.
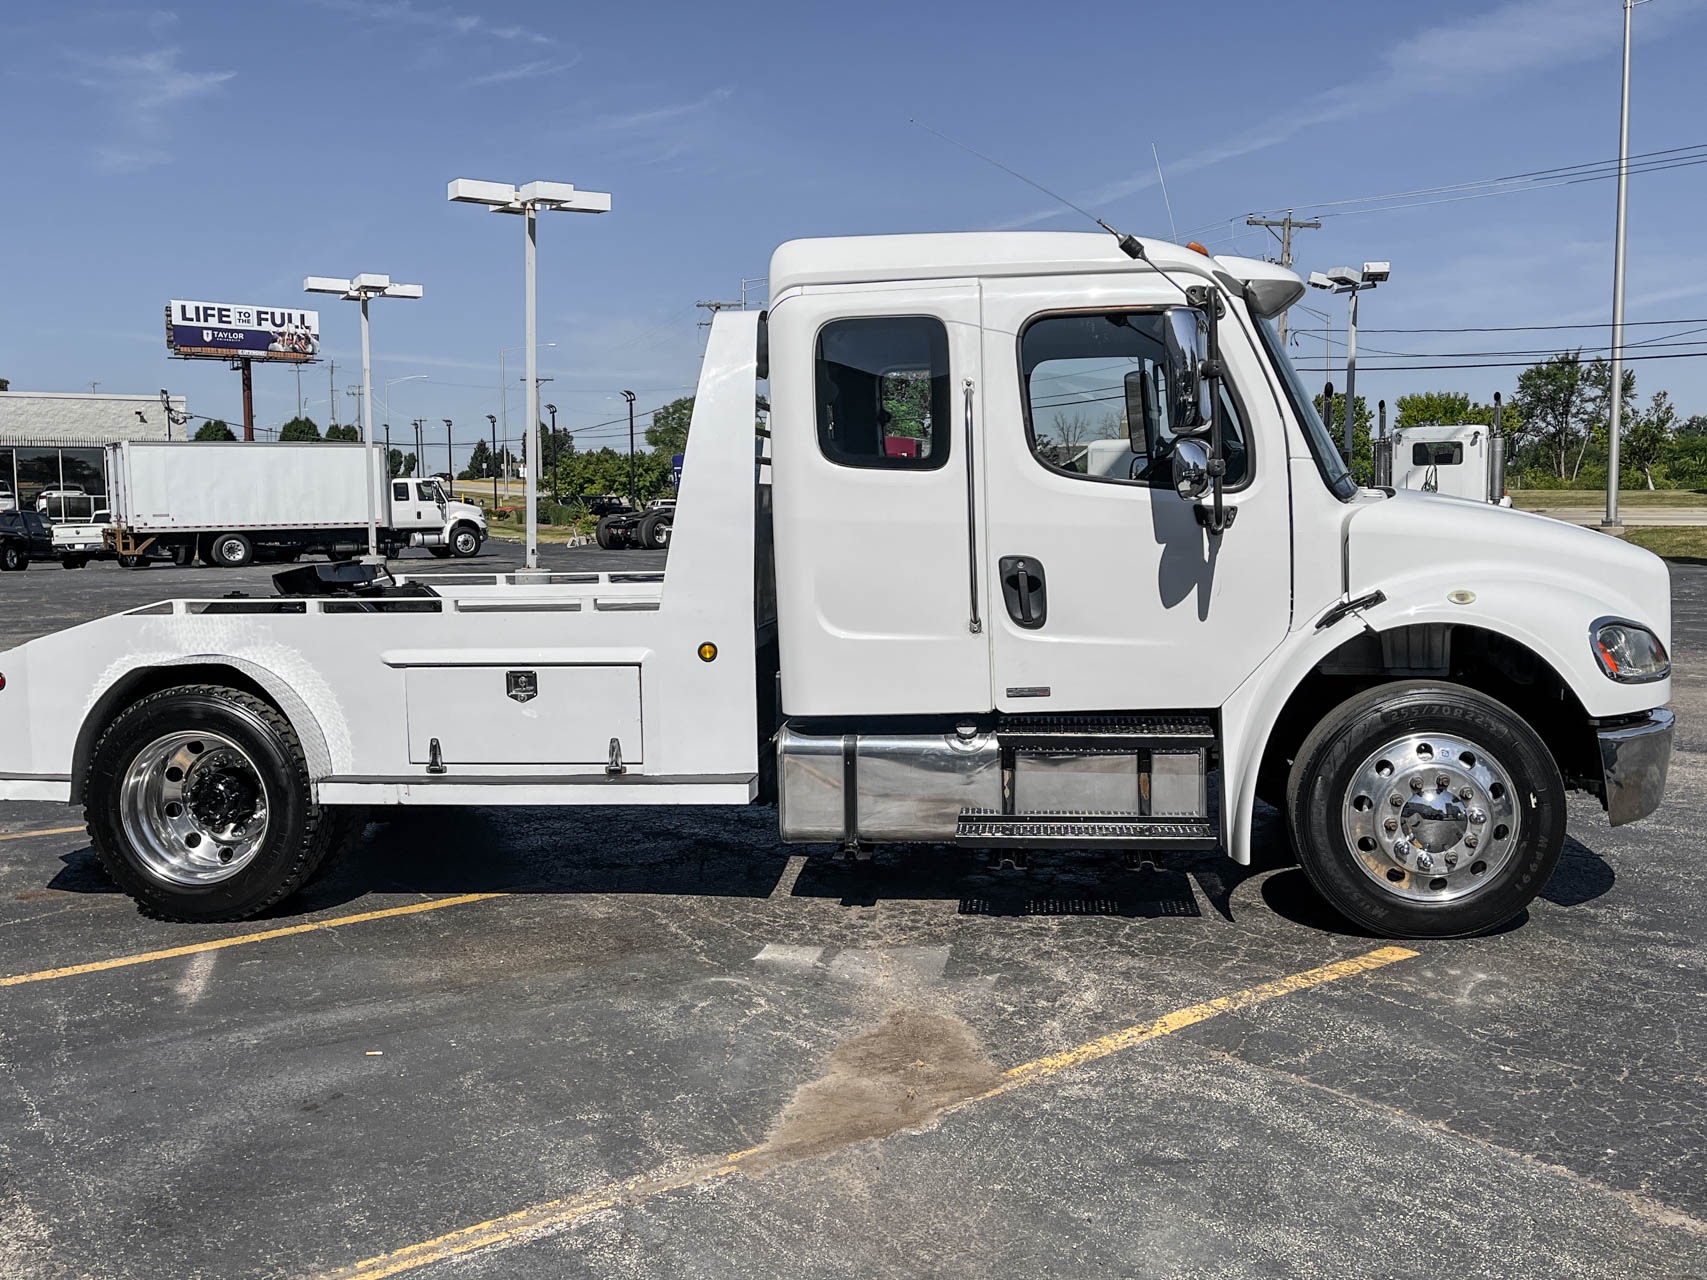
pixel 1458 460
pixel 942 607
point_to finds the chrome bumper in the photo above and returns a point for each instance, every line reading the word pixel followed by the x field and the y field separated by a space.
pixel 1633 760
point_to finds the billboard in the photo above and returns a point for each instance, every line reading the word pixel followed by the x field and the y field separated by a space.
pixel 233 331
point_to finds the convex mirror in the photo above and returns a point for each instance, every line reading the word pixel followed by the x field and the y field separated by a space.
pixel 1185 339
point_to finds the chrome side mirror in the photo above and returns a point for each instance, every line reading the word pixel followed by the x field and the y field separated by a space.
pixel 1191 469
pixel 1185 339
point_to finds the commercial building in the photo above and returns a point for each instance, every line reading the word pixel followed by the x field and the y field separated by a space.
pixel 56 439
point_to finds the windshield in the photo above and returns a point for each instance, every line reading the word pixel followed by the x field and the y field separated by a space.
pixel 1316 434
pixel 431 491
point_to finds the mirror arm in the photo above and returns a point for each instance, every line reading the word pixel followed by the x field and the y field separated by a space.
pixel 1217 517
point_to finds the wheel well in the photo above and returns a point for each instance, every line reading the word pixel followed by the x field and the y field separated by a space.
pixel 139 684
pixel 1486 661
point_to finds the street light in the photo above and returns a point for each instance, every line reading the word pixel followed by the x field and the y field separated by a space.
pixel 494 464
pixel 360 289
pixel 633 498
pixel 1354 282
pixel 528 200
pixel 552 410
pixel 450 461
pixel 1615 425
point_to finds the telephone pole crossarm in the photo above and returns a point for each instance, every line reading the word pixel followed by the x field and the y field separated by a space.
pixel 1281 229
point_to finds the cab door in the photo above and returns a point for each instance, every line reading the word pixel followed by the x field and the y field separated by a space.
pixel 1108 594
pixel 882 603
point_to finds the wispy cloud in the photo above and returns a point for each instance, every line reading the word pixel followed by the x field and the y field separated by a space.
pixel 406 13
pixel 1463 56
pixel 535 70
pixel 144 88
pixel 635 121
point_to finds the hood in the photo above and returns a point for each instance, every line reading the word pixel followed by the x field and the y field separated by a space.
pixel 1422 546
pixel 467 509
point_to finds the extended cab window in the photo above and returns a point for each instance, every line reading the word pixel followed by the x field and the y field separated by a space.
pixel 882 392
pixel 1096 400
pixel 399 491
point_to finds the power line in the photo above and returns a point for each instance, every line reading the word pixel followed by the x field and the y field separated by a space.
pixel 1525 328
pixel 1495 364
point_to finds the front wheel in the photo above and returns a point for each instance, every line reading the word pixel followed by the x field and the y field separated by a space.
pixel 1424 809
pixel 199 805
pixel 464 541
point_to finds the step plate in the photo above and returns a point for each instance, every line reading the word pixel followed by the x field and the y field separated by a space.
pixel 1040 831
pixel 1100 734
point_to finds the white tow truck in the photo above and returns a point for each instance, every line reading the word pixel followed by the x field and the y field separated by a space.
pixel 979 640
pixel 232 503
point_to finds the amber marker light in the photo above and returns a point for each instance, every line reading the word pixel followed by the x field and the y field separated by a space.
pixel 707 652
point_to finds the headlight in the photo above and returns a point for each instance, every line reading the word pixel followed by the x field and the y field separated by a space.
pixel 1627 652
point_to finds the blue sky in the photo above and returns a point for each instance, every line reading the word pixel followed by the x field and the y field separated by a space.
pixel 224 151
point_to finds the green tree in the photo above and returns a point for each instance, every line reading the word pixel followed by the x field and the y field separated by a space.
pixel 299 429
pixel 215 429
pixel 1693 426
pixel 1362 455
pixel 1648 438
pixel 410 462
pixel 479 463
pixel 1551 401
pixel 350 433
pixel 394 463
pixel 669 430
pixel 5 384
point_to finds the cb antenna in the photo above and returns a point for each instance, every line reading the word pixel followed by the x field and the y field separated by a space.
pixel 1130 245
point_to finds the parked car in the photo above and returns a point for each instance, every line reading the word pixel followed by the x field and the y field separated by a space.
pixel 8 499
pixel 68 502
pixel 24 536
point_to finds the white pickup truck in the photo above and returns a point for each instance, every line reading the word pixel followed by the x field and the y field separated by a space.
pixel 231 503
pixel 977 640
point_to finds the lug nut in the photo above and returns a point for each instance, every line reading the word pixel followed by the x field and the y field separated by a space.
pixel 1465 793
pixel 1470 842
pixel 1451 861
pixel 1400 849
pixel 1417 783
pixel 1396 800
pixel 1477 816
pixel 1442 782
pixel 1391 825
pixel 1425 860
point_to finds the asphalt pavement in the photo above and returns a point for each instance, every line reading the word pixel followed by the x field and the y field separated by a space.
pixel 657 1043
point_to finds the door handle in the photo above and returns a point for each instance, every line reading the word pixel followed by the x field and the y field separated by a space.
pixel 1025 590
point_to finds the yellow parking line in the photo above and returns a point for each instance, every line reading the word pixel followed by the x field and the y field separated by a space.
pixel 242 939
pixel 45 831
pixel 555 1215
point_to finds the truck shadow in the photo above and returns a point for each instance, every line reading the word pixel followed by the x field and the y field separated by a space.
pixel 735 853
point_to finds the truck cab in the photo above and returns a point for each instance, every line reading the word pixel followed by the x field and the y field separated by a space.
pixel 1114 588
pixel 425 515
pixel 1458 460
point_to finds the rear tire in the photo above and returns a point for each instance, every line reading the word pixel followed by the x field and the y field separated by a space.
pixel 133 562
pixel 1401 854
pixel 13 558
pixel 200 807
pixel 604 535
pixel 232 551
pixel 655 530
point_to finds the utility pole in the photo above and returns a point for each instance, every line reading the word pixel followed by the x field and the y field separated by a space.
pixel 419 448
pixel 633 498
pixel 715 307
pixel 450 462
pixel 248 402
pixel 494 421
pixel 1281 229
pixel 1612 524
pixel 332 391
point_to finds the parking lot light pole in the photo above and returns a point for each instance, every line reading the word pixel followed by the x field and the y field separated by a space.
pixel 633 497
pixel 360 289
pixel 450 460
pixel 1348 280
pixel 1612 524
pixel 528 200
pixel 552 410
pixel 494 463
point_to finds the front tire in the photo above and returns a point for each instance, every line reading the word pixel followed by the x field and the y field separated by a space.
pixel 1424 809
pixel 199 805
pixel 14 559
pixel 465 541
pixel 604 535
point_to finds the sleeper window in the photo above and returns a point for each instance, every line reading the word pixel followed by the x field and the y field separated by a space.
pixel 1446 454
pixel 399 491
pixel 883 392
pixel 1081 371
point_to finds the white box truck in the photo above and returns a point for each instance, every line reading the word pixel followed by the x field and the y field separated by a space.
pixel 231 503
pixel 980 640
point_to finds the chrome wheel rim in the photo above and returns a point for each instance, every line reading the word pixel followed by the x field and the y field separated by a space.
pixel 465 543
pixel 194 808
pixel 663 536
pixel 1431 817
